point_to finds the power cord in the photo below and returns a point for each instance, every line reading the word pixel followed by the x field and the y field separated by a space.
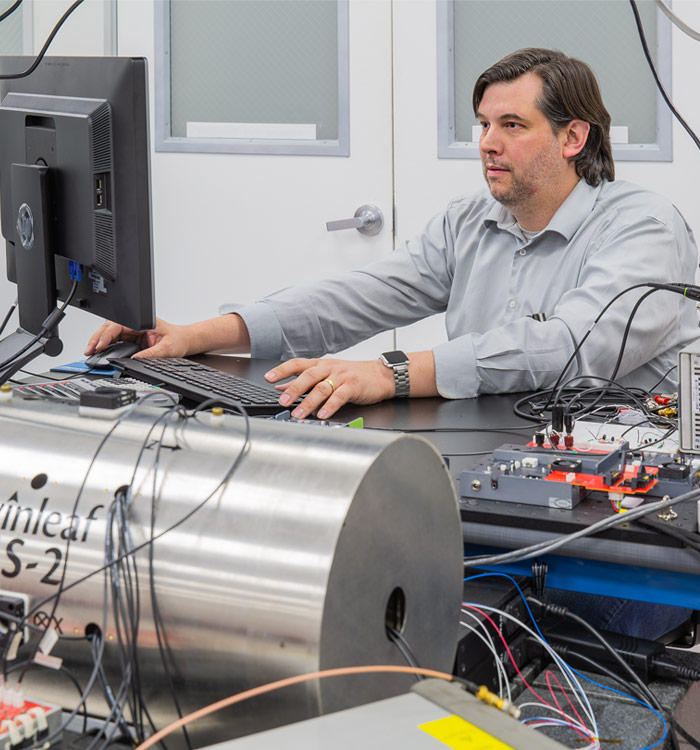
pixel 47 43
pixel 657 80
pixel 10 10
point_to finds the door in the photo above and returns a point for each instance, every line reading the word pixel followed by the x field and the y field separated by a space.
pixel 232 227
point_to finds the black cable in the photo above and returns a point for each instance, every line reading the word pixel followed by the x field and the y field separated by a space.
pixel 56 597
pixel 406 651
pixel 578 346
pixel 645 446
pixel 45 330
pixel 106 689
pixel 125 649
pixel 564 613
pixel 665 375
pixel 47 43
pixel 688 539
pixel 401 638
pixel 677 287
pixel 458 429
pixel 623 343
pixel 652 67
pixel 625 335
pixel 621 351
pixel 11 309
pixel 127 608
pixel 594 666
pixel 693 741
pixel 471 453
pixel 163 645
pixel 7 13
pixel 658 420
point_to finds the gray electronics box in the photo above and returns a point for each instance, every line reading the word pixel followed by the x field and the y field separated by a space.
pixel 411 722
pixel 689 397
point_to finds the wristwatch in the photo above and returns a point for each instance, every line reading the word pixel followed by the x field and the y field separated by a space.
pixel 398 361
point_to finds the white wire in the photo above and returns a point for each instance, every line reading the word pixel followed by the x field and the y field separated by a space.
pixel 565 721
pixel 494 654
pixel 488 641
pixel 570 677
pixel 677 21
pixel 561 723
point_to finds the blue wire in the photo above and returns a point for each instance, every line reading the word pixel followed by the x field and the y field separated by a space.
pixel 605 687
pixel 636 700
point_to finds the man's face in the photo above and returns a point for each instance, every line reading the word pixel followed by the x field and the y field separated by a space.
pixel 522 157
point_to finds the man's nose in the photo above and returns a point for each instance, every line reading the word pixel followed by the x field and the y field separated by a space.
pixel 490 142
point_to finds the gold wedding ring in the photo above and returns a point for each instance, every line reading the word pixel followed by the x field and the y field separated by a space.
pixel 330 383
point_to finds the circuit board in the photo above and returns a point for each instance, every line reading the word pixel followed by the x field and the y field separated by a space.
pixel 561 478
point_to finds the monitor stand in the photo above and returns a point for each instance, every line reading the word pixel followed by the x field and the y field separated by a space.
pixel 21 347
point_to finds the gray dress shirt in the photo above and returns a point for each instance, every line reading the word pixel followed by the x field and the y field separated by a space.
pixel 474 263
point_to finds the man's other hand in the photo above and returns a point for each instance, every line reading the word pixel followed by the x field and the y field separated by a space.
pixel 331 383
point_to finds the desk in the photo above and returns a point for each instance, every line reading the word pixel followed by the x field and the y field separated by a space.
pixel 628 561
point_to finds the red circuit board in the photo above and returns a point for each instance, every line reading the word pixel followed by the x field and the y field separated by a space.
pixel 595 482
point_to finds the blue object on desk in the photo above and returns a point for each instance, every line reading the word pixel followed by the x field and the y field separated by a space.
pixel 606 578
pixel 80 366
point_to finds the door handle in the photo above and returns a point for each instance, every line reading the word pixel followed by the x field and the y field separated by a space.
pixel 368 220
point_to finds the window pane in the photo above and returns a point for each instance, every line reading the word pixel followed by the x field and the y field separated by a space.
pixel 11 30
pixel 601 32
pixel 246 61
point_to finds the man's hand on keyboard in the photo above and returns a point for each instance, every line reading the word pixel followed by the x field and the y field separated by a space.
pixel 331 383
pixel 165 340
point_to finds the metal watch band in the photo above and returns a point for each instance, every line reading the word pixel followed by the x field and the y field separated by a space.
pixel 401 380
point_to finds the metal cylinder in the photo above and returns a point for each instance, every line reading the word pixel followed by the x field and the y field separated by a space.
pixel 299 545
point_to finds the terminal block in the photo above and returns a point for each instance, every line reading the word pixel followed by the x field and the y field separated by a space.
pixel 24 723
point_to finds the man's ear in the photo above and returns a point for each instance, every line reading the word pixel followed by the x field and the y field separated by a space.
pixel 575 137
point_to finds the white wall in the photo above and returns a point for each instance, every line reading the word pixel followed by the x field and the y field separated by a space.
pixel 178 175
pixel 678 179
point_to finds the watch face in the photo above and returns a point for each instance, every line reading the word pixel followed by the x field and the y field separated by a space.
pixel 395 358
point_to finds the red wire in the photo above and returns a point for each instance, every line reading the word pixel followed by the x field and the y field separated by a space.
pixel 525 682
pixel 547 675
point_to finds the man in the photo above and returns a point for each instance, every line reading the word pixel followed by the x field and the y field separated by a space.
pixel 521 274
pixel 556 238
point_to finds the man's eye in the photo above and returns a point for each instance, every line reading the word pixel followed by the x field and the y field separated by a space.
pixel 513 125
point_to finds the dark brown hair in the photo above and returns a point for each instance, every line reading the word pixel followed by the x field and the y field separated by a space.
pixel 569 92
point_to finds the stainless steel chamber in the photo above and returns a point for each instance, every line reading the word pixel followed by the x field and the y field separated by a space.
pixel 298 547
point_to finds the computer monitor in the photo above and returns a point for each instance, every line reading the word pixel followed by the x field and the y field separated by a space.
pixel 74 196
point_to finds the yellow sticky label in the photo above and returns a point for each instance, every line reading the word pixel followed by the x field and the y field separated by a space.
pixel 461 735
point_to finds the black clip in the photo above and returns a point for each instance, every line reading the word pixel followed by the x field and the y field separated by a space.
pixel 539 579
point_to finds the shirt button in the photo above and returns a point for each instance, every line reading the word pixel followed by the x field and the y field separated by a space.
pixel 523 251
pixel 512 304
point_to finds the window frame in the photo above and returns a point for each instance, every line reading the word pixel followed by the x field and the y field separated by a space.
pixel 165 141
pixel 449 148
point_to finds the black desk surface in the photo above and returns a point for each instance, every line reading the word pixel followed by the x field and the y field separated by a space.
pixel 465 431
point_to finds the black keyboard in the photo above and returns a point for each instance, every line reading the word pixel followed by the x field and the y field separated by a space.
pixel 198 383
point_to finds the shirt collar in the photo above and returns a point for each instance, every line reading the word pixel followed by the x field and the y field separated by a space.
pixel 566 221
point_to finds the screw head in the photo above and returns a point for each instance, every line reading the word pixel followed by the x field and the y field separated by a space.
pixel 476 485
